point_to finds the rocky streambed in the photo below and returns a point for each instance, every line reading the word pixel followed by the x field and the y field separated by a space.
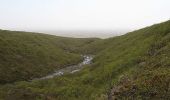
pixel 70 69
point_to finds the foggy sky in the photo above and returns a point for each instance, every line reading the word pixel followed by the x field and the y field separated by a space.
pixel 72 15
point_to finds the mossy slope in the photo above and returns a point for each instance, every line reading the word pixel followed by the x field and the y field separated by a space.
pixel 132 66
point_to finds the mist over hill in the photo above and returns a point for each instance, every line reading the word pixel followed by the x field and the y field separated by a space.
pixel 88 34
pixel 82 33
pixel 84 49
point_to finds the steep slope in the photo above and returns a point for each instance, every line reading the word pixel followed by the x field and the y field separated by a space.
pixel 132 66
pixel 151 77
pixel 24 56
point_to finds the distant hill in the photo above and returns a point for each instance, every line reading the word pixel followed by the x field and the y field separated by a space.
pixel 24 55
pixel 134 66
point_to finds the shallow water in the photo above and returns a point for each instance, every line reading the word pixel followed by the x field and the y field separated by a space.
pixel 70 69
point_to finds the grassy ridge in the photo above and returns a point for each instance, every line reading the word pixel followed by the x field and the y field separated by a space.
pixel 28 55
pixel 132 66
pixel 151 77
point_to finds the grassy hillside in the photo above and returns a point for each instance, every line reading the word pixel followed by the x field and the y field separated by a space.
pixel 24 56
pixel 132 66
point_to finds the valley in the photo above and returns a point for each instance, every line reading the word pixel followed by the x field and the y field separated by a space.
pixel 134 66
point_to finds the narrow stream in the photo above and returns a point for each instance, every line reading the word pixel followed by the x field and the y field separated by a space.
pixel 70 69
